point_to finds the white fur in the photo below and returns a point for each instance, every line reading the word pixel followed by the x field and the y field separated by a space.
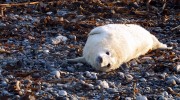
pixel 123 42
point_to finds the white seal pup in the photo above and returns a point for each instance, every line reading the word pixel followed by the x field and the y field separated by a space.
pixel 108 46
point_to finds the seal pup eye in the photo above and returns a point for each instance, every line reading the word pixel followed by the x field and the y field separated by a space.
pixel 109 65
pixel 107 53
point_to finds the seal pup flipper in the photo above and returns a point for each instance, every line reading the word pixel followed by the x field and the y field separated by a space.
pixel 158 44
pixel 164 46
pixel 78 59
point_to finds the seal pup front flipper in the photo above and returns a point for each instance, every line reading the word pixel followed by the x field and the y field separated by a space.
pixel 78 59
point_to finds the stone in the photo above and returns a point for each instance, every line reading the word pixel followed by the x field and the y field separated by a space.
pixel 56 73
pixel 129 77
pixel 141 98
pixel 59 39
pixel 103 84
pixel 171 81
pixel 177 68
pixel 128 98
pixel 62 93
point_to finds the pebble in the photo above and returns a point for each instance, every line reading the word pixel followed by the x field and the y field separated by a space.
pixel 143 80
pixel 71 69
pixel 121 75
pixel 3 83
pixel 146 58
pixel 2 25
pixel 128 98
pixel 146 74
pixel 62 93
pixel 177 68
pixel 6 93
pixel 27 81
pixel 56 74
pixel 59 39
pixel 62 12
pixel 103 84
pixel 112 90
pixel 171 82
pixel 165 94
pixel 162 98
pixel 81 77
pixel 49 13
pixel 141 98
pixel 46 51
pixel 73 37
pixel 163 76
pixel 91 75
pixel 147 90
pixel 175 78
pixel 129 77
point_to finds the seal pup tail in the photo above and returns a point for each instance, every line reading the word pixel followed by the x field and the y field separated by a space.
pixel 78 59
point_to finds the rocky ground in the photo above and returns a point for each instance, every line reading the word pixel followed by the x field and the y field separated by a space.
pixel 36 40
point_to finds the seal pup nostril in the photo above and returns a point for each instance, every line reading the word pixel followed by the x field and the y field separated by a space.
pixel 99 59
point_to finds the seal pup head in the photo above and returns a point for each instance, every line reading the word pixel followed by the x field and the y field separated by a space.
pixel 102 59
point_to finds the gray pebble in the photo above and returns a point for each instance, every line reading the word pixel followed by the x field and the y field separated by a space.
pixel 27 81
pixel 103 84
pixel 143 80
pixel 6 93
pixel 2 25
pixel 112 84
pixel 56 74
pixel 163 76
pixel 73 37
pixel 62 93
pixel 59 39
pixel 129 77
pixel 165 94
pixel 81 77
pixel 71 69
pixel 162 98
pixel 177 68
pixel 171 82
pixel 141 98
pixel 49 13
pixel 112 90
pixel 128 98
pixel 90 86
pixel 121 75
pixel 62 12
pixel 147 74
pixel 46 51
pixel 177 79
pixel 147 90
pixel 73 97
pixel 3 83
pixel 91 75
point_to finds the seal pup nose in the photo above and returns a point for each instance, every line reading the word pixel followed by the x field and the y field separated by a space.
pixel 99 59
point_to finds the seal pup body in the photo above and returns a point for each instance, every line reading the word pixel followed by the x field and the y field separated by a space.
pixel 108 46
